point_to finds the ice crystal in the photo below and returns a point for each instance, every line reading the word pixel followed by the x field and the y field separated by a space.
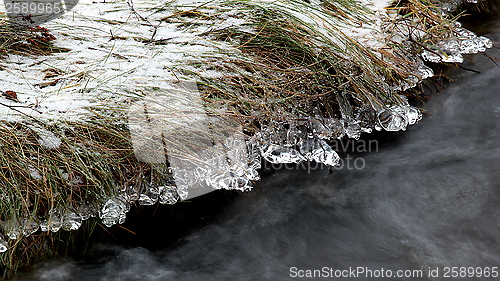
pixel 71 221
pixel 277 154
pixel 12 229
pixel 87 210
pixel 29 226
pixel 168 195
pixel 149 195
pixel 53 222
pixel 4 245
pixel 392 120
pixel 451 49
pixel 113 211
pixel 318 150
pixel 253 153
pixel 412 114
pixel 252 174
pixel 352 129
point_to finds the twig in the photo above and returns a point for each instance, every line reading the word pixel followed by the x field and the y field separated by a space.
pixel 19 111
pixel 468 69
pixel 131 5
pixel 494 60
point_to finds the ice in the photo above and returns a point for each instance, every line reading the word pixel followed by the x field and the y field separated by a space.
pixel 53 222
pixel 236 155
pixel 71 221
pixel 409 82
pixel 4 245
pixel 113 211
pixel 252 174
pixel 221 182
pixel 472 46
pixel 168 195
pixel 276 154
pixel 451 49
pixel 486 42
pixel 352 129
pixel 431 56
pixel 436 57
pixel 293 134
pixel 391 120
pixel 453 58
pixel 319 129
pixel 87 210
pixel 335 127
pixel 29 226
pixel 232 183
pixel 149 195
pixel 413 115
pixel 198 145
pixel 130 193
pixel 425 72
pixel 253 153
pixel 12 229
pixel 183 192
pixel 276 143
pixel 318 150
pixel 452 45
pixel 464 33
pixel 241 184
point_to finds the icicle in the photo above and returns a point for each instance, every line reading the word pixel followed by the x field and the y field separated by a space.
pixel 113 212
pixel 392 121
pixel 12 229
pixel 276 154
pixel 318 150
pixel 168 195
pixel 239 183
pixel 53 222
pixel 29 226
pixel 130 193
pixel 87 210
pixel 252 174
pixel 254 153
pixel 4 245
pixel 71 221
pixel 352 129
pixel 412 114
pixel 149 195
pixel 320 129
pixel 335 127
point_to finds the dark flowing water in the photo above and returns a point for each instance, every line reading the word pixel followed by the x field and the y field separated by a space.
pixel 429 198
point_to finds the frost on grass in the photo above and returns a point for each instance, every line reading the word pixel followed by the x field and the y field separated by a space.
pixel 293 74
